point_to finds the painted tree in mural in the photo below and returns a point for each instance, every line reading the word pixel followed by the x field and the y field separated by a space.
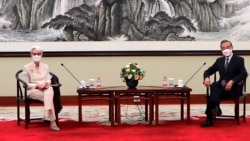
pixel 98 20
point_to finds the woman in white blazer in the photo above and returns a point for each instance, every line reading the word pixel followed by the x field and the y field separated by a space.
pixel 36 75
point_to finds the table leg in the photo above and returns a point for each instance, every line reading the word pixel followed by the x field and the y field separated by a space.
pixel 110 104
pixel 118 114
pixel 115 101
pixel 182 106
pixel 79 108
pixel 146 106
pixel 188 107
pixel 156 109
pixel 153 102
pixel 150 109
pixel 111 107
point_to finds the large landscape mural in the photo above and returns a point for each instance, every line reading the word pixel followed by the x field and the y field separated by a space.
pixel 129 20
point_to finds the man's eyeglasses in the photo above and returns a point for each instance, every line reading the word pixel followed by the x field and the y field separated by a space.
pixel 37 54
pixel 226 47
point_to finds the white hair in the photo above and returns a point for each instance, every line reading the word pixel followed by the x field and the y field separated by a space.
pixel 37 48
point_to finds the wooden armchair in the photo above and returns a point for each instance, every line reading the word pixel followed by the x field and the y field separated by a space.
pixel 22 99
pixel 239 99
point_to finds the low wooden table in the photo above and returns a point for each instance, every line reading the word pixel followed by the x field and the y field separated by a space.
pixel 145 93
pixel 151 94
pixel 106 94
pixel 182 93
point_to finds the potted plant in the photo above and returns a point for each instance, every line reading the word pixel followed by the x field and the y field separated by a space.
pixel 131 73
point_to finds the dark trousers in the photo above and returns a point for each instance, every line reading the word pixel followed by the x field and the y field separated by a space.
pixel 217 93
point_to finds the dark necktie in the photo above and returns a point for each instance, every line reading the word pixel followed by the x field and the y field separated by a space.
pixel 226 63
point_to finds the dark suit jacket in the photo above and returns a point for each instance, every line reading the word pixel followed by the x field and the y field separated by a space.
pixel 57 94
pixel 236 70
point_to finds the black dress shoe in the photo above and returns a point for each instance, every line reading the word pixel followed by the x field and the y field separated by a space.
pixel 207 123
pixel 217 111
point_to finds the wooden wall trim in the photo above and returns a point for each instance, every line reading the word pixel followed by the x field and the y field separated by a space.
pixel 123 53
pixel 72 100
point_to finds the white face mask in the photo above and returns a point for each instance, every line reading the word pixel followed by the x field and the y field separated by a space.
pixel 227 52
pixel 36 58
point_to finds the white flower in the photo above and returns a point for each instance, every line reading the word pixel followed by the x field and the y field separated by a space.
pixel 130 76
pixel 132 71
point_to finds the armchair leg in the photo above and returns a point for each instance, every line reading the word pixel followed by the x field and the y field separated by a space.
pixel 244 109
pixel 57 123
pixel 18 113
pixel 237 112
pixel 27 116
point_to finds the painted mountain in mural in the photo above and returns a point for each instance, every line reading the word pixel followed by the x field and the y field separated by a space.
pixel 132 20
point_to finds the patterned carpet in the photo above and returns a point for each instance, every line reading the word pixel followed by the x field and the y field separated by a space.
pixel 131 114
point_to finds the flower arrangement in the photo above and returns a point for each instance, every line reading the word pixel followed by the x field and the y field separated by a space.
pixel 132 71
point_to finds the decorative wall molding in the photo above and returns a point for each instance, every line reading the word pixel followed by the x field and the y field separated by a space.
pixel 123 53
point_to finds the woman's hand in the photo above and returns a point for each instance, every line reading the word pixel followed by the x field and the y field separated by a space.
pixel 42 86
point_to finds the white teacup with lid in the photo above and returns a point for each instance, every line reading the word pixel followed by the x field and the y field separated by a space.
pixel 171 82
pixel 180 83
pixel 91 83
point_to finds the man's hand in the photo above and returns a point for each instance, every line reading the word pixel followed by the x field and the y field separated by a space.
pixel 229 85
pixel 207 82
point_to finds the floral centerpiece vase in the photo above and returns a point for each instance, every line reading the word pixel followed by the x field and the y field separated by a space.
pixel 131 74
pixel 132 83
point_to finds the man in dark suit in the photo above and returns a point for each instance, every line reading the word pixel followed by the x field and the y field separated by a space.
pixel 232 70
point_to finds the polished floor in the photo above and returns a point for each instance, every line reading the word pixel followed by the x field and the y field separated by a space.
pixel 131 114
